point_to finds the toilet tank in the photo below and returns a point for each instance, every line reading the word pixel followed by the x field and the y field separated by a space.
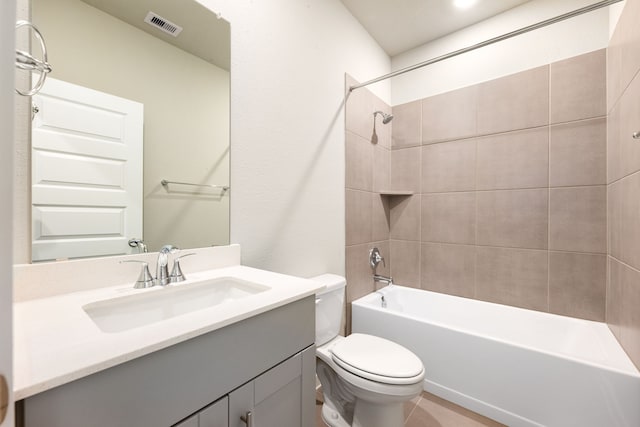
pixel 329 307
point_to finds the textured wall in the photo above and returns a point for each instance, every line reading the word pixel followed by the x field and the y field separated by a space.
pixel 287 128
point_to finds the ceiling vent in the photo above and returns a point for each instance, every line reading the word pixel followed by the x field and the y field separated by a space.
pixel 163 24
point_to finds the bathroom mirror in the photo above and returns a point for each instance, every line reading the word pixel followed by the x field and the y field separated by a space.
pixel 182 83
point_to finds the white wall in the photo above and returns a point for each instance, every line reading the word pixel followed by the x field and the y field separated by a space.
pixel 562 40
pixel 7 47
pixel 288 59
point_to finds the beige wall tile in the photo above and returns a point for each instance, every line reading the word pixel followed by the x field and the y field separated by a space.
pixel 578 87
pixel 629 122
pixel 614 69
pixel 577 285
pixel 449 166
pixel 358 217
pixel 614 218
pixel 383 131
pixel 629 313
pixel 629 197
pixel 406 129
pixel 513 160
pixel 405 262
pixel 405 169
pixel 380 218
pixel 578 219
pixel 449 269
pixel 578 153
pixel 359 163
pixel 359 274
pixel 450 115
pixel 512 276
pixel 614 168
pixel 518 101
pixel 614 296
pixel 381 169
pixel 358 271
pixel 513 218
pixel 449 218
pixel 405 218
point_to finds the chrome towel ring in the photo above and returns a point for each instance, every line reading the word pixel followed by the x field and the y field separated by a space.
pixel 26 61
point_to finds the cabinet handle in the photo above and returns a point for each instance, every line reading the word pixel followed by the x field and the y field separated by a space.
pixel 247 419
pixel 4 398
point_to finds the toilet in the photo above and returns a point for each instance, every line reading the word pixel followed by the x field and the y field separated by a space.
pixel 365 379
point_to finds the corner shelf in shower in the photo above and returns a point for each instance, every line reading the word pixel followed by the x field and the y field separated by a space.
pixel 396 193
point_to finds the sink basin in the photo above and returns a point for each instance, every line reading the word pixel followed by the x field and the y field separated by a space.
pixel 132 311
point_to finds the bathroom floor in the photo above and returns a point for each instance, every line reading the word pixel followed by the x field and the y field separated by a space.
pixel 428 410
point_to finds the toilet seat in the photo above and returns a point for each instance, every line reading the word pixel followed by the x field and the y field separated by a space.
pixel 377 359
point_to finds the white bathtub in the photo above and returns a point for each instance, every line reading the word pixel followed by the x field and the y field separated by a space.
pixel 519 367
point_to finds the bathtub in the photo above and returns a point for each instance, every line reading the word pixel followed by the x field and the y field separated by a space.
pixel 519 367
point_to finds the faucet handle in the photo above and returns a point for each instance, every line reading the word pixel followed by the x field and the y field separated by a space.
pixel 375 258
pixel 176 271
pixel 145 279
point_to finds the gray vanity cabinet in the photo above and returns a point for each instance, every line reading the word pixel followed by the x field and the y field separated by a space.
pixel 275 398
pixel 278 398
pixel 214 415
pixel 192 421
pixel 264 365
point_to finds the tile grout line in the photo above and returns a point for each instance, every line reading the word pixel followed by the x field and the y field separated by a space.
pixel 406 421
pixel 549 196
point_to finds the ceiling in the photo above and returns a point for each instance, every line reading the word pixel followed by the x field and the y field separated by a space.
pixel 204 34
pixel 400 25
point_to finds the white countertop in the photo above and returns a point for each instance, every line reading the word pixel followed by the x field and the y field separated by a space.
pixel 56 342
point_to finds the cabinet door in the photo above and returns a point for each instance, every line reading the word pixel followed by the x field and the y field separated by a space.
pixel 215 415
pixel 277 398
pixel 189 422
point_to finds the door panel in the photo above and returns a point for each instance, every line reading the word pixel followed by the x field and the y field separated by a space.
pixel 274 399
pixel 86 172
pixel 216 415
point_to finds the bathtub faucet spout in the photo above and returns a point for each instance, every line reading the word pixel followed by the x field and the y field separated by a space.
pixel 383 279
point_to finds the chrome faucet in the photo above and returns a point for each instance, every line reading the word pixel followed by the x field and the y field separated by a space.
pixel 383 279
pixel 376 258
pixel 162 266
pixel 176 272
pixel 146 280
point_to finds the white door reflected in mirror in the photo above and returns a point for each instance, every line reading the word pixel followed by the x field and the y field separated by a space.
pixel 86 172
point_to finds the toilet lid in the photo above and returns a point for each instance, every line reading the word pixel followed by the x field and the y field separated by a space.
pixel 377 359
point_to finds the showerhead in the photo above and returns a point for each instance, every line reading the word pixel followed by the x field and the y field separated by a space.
pixel 386 118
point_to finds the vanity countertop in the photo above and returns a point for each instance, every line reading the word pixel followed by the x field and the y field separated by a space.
pixel 56 342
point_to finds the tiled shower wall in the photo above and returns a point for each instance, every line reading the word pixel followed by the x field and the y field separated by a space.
pixel 368 166
pixel 623 179
pixel 509 191
pixel 510 203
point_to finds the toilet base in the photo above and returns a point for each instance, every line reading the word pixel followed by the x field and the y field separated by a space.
pixel 366 414
pixel 332 418
pixel 369 414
